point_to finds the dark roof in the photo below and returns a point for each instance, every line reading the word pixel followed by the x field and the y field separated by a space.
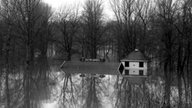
pixel 136 55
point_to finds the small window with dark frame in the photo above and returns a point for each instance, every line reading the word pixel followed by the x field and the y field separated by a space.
pixel 126 64
pixel 141 64
pixel 141 72
pixel 126 72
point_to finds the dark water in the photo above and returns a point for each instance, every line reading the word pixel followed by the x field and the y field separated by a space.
pixel 60 90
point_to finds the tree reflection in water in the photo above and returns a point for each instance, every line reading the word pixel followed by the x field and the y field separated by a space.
pixel 129 94
pixel 40 85
pixel 85 92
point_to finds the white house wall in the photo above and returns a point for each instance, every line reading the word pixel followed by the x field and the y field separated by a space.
pixel 134 68
pixel 136 71
pixel 134 65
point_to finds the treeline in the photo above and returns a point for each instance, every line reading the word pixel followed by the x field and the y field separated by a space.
pixel 162 30
pixel 29 29
pixel 24 36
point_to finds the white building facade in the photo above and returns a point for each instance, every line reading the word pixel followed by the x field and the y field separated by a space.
pixel 135 64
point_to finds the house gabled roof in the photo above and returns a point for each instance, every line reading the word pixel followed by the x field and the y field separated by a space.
pixel 136 55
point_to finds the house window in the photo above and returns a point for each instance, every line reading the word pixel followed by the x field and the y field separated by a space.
pixel 141 72
pixel 126 64
pixel 126 72
pixel 141 64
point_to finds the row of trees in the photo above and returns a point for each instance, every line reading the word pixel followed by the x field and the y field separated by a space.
pixel 161 29
pixel 25 32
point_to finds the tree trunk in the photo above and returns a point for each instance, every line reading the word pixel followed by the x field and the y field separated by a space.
pixel 180 91
pixel 7 88
pixel 1 46
pixel 179 76
pixel 167 89
pixel 167 95
pixel 7 56
pixel 69 55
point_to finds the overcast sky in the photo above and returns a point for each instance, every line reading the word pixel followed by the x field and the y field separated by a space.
pixel 57 4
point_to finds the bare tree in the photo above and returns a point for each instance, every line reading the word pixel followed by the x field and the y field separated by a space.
pixel 144 11
pixel 6 13
pixel 68 27
pixel 23 16
pixel 166 12
pixel 126 26
pixel 183 50
pixel 92 19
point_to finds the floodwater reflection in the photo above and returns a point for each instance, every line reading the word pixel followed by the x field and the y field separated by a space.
pixel 111 91
pixel 64 90
pixel 89 91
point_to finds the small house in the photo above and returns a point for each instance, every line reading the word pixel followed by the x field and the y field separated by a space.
pixel 135 64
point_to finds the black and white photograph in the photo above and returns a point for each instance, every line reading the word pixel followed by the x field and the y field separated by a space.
pixel 95 53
